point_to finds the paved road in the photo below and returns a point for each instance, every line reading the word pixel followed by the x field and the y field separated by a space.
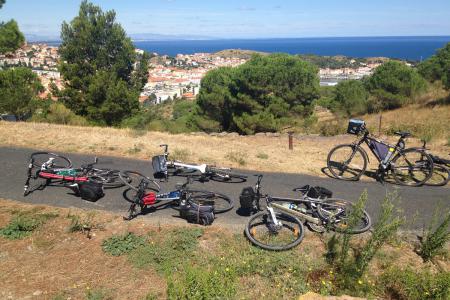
pixel 420 200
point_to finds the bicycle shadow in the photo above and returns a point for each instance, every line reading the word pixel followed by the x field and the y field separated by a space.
pixel 369 173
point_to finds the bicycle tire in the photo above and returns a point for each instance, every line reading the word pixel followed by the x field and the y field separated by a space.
pixel 331 165
pixel 251 233
pixel 224 175
pixel 61 162
pixel 419 162
pixel 179 171
pixel 440 176
pixel 107 177
pixel 130 178
pixel 222 203
pixel 331 206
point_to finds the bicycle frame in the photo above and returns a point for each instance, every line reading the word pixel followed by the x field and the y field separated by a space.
pixel 271 204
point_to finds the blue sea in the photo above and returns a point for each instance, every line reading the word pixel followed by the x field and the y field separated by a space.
pixel 406 48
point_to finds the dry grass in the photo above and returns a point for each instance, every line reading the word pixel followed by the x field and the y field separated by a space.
pixel 308 157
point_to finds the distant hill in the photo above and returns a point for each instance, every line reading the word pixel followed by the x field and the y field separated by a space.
pixel 245 54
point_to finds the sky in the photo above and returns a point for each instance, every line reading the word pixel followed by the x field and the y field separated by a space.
pixel 246 18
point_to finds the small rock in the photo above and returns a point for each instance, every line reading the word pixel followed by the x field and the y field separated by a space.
pixel 37 293
pixel 233 134
pixel 260 134
pixel 276 134
pixel 269 134
pixel 213 134
pixel 222 134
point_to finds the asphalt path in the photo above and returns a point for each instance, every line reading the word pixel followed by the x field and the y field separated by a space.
pixel 417 203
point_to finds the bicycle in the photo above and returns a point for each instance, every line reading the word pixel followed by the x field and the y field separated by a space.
pixel 410 166
pixel 441 170
pixel 146 195
pixel 58 170
pixel 163 167
pixel 280 225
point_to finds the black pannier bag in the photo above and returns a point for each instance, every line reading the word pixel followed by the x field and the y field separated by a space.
pixel 355 126
pixel 90 191
pixel 319 192
pixel 198 213
pixel 159 166
pixel 248 199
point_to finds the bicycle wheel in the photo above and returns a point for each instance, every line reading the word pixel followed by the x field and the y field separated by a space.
pixel 132 179
pixel 347 162
pixel 179 171
pixel 412 167
pixel 222 203
pixel 264 233
pixel 337 213
pixel 109 178
pixel 58 162
pixel 440 176
pixel 225 175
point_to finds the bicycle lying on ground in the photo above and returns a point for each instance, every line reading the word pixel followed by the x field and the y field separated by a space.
pixel 410 166
pixel 441 170
pixel 56 169
pixel 163 167
pixel 279 226
pixel 146 195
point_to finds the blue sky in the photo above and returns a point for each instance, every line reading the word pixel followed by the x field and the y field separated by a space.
pixel 247 18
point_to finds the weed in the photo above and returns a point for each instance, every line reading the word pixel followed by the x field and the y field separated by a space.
pixel 237 157
pixel 135 149
pixel 23 224
pixel 97 294
pixel 180 154
pixel 168 254
pixel 122 244
pixel 83 225
pixel 261 155
pixel 435 236
pixel 415 284
pixel 201 283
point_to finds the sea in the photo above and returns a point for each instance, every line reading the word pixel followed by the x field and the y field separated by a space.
pixel 411 48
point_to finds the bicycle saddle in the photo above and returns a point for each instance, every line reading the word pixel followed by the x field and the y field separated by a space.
pixel 403 134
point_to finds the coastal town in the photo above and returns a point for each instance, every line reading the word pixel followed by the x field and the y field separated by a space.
pixel 168 77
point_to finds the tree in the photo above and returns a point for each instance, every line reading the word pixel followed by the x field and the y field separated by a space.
pixel 97 61
pixel 18 89
pixel 351 97
pixel 10 36
pixel 437 67
pixel 394 84
pixel 257 95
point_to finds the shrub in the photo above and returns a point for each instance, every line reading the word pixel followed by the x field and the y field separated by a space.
pixel 261 155
pixel 237 157
pixel 435 236
pixel 350 262
pixel 411 284
pixel 59 114
pixel 180 154
pixel 122 244
pixel 351 97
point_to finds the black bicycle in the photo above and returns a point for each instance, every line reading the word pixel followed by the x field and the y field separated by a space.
pixel 279 226
pixel 146 195
pixel 409 166
pixel 441 170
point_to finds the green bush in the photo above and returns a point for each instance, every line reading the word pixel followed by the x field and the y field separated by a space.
pixel 392 85
pixel 351 97
pixel 436 236
pixel 437 67
pixel 411 284
pixel 122 244
pixel 237 157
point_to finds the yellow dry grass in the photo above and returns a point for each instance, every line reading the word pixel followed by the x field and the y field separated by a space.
pixel 259 153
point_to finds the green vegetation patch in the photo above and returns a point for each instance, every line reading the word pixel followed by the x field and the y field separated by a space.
pixel 23 224
pixel 122 244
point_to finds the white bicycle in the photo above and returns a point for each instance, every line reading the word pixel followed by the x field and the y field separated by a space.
pixel 163 167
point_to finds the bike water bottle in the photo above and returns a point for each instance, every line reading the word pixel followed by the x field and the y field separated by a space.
pixel 388 155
